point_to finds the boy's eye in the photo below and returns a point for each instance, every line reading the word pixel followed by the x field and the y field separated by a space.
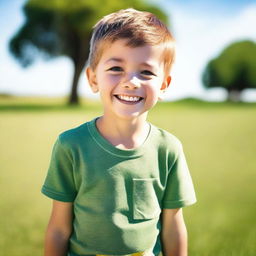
pixel 147 73
pixel 116 69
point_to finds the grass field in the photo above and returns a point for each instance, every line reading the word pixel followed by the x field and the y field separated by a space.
pixel 219 140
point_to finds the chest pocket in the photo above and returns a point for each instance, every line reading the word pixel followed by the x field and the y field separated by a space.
pixel 145 203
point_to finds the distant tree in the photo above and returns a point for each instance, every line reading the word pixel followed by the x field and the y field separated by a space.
pixel 55 28
pixel 234 69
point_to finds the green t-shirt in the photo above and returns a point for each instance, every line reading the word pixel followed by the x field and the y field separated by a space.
pixel 117 194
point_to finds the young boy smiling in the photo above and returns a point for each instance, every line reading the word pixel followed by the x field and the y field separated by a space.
pixel 119 183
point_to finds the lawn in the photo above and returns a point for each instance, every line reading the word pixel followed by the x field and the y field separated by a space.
pixel 219 140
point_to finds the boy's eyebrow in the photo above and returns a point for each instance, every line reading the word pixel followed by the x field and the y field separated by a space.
pixel 114 59
pixel 150 65
pixel 121 60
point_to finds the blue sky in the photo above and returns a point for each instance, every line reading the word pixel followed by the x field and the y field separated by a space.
pixel 201 28
pixel 226 7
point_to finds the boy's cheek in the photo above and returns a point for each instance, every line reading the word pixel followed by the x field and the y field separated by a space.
pixel 111 79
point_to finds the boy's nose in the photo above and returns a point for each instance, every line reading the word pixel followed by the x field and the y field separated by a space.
pixel 132 83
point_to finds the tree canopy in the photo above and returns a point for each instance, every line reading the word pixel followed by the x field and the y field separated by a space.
pixel 233 70
pixel 55 28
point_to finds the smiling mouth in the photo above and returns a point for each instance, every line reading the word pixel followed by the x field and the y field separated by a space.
pixel 129 99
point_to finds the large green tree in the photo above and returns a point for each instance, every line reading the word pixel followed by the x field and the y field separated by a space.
pixel 234 69
pixel 55 28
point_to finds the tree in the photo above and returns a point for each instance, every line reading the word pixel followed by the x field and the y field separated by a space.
pixel 62 28
pixel 233 70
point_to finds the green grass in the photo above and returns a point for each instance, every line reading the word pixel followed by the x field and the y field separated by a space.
pixel 219 140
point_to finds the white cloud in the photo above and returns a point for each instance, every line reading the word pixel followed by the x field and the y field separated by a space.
pixel 42 78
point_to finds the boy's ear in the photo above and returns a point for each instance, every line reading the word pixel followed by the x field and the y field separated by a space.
pixel 166 83
pixel 91 76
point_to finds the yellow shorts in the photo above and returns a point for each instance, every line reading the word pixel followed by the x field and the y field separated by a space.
pixel 133 254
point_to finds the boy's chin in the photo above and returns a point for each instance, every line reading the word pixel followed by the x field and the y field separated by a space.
pixel 132 116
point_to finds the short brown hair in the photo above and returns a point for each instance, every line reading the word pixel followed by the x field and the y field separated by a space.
pixel 139 27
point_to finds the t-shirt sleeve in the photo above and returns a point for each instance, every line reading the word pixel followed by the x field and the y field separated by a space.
pixel 59 183
pixel 179 191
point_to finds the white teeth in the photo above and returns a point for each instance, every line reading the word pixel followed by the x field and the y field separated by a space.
pixel 128 98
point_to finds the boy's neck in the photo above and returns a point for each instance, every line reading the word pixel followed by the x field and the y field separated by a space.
pixel 122 133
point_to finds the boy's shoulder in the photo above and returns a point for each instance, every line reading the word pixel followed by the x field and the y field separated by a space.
pixel 167 139
pixel 73 135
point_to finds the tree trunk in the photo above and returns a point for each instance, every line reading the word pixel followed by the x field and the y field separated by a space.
pixel 234 95
pixel 74 99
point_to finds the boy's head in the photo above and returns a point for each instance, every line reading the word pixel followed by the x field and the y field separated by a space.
pixel 139 28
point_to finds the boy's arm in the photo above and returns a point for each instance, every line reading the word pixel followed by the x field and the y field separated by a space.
pixel 174 233
pixel 59 229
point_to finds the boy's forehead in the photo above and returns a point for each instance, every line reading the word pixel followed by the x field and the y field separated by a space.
pixel 120 51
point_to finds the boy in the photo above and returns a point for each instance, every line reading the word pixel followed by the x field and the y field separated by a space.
pixel 117 182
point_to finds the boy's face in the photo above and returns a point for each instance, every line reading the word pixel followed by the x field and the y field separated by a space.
pixel 130 80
